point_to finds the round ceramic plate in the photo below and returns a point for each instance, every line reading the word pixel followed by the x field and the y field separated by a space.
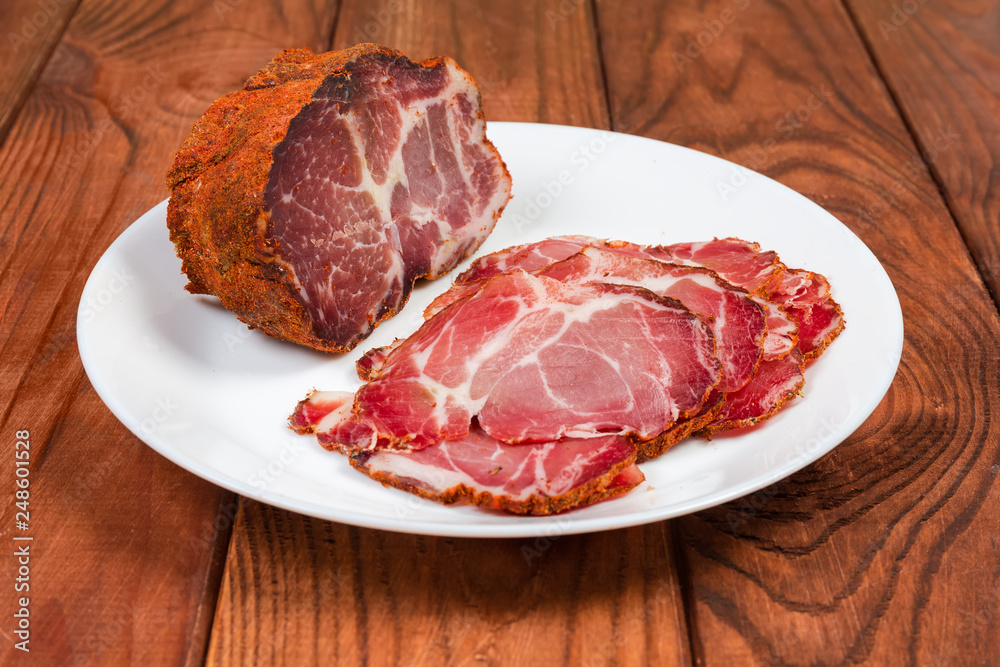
pixel 196 385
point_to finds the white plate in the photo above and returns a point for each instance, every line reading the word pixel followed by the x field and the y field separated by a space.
pixel 189 379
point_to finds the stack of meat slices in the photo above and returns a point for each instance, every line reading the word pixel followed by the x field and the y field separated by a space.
pixel 542 377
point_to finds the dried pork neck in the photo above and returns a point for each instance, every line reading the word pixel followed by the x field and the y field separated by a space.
pixel 531 359
pixel 310 200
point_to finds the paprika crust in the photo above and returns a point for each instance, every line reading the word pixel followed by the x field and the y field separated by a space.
pixel 310 200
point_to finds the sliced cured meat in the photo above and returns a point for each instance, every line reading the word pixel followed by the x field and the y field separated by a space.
pixel 781 335
pixel 737 321
pixel 368 363
pixel 534 478
pixel 530 257
pixel 310 200
pixel 595 359
pixel 776 382
pixel 740 262
pixel 782 331
pixel 649 449
pixel 532 385
pixel 805 296
pixel 537 478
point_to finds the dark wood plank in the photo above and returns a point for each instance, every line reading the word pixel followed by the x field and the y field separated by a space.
pixel 128 548
pixel 299 591
pixel 884 551
pixel 533 61
pixel 30 32
pixel 303 591
pixel 942 63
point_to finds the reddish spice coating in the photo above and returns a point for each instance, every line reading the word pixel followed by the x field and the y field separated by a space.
pixel 217 216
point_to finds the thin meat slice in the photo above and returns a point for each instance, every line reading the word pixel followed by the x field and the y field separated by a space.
pixel 805 296
pixel 781 335
pixel 776 382
pixel 782 331
pixel 535 478
pixel 312 199
pixel 737 321
pixel 740 262
pixel 530 257
pixel 536 360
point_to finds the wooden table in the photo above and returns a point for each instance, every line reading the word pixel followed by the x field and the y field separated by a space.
pixel 886 551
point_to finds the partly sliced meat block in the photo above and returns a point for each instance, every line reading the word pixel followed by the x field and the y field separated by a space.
pixel 775 383
pixel 310 200
pixel 538 360
pixel 805 296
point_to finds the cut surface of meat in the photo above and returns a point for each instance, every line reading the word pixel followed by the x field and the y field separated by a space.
pixel 782 331
pixel 310 201
pixel 594 359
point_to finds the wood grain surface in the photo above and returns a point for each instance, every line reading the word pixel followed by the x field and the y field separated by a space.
pixel 883 552
pixel 872 553
pixel 941 61
pixel 31 32
pixel 128 546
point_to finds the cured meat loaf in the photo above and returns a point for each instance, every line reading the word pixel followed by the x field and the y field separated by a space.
pixel 310 200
